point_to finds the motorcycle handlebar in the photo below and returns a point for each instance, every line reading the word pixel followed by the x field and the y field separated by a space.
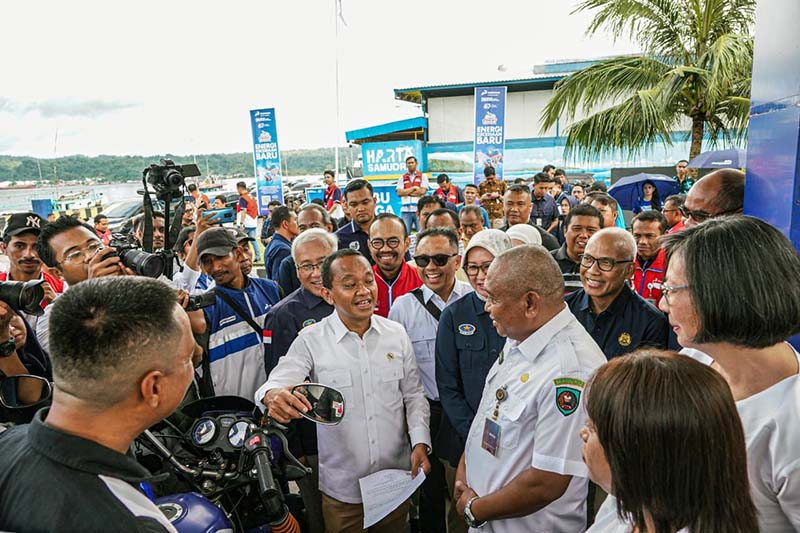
pixel 269 492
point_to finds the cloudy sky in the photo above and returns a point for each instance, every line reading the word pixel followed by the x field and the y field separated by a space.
pixel 176 76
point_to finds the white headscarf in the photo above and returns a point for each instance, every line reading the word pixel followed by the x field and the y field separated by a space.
pixel 525 233
pixel 493 241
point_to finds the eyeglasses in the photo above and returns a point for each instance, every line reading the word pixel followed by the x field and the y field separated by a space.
pixel 308 268
pixel 472 270
pixel 80 256
pixel 702 216
pixel 666 290
pixel 438 259
pixel 605 264
pixel 391 242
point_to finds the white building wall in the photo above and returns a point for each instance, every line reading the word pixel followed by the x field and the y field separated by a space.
pixel 451 119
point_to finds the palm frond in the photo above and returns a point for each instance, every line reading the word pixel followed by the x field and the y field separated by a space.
pixel 605 82
pixel 627 127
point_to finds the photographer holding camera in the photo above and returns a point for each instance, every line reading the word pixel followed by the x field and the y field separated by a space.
pixel 235 323
pixel 73 252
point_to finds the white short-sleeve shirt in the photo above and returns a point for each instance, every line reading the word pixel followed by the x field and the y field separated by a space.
pixel 540 420
pixel 771 422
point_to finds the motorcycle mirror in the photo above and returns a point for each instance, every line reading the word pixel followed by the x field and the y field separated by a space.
pixel 327 403
pixel 17 392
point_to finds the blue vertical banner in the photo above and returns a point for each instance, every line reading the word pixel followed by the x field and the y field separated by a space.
pixel 490 134
pixel 266 158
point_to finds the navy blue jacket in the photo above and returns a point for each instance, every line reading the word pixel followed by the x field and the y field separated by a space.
pixel 287 276
pixel 278 249
pixel 467 345
pixel 630 322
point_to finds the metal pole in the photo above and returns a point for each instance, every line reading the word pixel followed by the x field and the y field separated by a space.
pixel 338 119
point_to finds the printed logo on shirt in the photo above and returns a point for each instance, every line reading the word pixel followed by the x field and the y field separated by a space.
pixel 624 339
pixel 227 320
pixel 466 329
pixel 355 246
pixel 308 322
pixel 567 400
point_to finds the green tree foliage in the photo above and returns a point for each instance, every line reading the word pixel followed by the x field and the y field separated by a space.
pixel 696 64
pixel 107 168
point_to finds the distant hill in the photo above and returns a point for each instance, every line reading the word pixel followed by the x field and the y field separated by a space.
pixel 109 168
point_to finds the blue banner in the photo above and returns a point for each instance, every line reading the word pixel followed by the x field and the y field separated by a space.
pixel 266 158
pixel 389 158
pixel 387 199
pixel 490 126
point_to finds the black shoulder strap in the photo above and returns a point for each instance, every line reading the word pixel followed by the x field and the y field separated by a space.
pixel 239 311
pixel 435 312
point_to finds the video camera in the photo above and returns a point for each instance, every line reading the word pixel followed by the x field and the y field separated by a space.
pixel 168 179
pixel 133 257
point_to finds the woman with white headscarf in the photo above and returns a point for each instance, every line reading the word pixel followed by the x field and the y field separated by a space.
pixel 467 344
pixel 523 234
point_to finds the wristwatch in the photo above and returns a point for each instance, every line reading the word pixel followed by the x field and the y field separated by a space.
pixel 469 518
pixel 7 348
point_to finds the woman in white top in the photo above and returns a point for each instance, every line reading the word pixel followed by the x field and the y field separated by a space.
pixel 732 291
pixel 663 437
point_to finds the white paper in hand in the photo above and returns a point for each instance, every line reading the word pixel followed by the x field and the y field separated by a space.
pixel 384 491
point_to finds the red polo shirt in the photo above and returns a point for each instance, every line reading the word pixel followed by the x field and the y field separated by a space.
pixel 406 281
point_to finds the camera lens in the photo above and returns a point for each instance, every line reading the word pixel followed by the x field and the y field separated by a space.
pixel 143 263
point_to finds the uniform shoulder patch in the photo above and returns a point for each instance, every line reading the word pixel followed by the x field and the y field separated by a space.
pixel 308 322
pixel 575 382
pixel 567 400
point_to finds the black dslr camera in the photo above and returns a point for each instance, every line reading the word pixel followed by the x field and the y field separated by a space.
pixel 25 296
pixel 168 179
pixel 141 262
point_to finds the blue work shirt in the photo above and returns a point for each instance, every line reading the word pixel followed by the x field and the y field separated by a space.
pixel 467 345
pixel 287 275
pixel 352 236
pixel 285 320
pixel 278 249
pixel 630 322
pixel 544 211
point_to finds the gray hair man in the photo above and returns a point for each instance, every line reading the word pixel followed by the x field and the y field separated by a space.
pixel 522 468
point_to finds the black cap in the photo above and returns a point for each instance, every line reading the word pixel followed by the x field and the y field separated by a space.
pixel 216 241
pixel 183 236
pixel 241 236
pixel 21 222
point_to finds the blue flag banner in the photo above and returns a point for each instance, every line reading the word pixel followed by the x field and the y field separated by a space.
pixel 266 158
pixel 490 126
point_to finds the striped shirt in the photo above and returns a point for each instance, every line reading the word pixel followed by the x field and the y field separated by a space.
pixel 236 351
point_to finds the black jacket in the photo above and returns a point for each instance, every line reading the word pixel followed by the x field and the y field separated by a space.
pixel 53 481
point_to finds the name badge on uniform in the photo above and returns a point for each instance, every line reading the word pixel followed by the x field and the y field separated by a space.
pixel 491 436
pixel 539 221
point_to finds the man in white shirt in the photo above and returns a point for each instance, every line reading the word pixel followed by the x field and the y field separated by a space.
pixel 369 359
pixel 437 261
pixel 522 467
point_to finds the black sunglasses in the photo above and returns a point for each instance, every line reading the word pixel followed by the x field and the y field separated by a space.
pixel 438 259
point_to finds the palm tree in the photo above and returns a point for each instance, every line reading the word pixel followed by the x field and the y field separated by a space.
pixel 695 65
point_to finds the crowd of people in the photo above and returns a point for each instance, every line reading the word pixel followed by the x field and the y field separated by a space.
pixel 513 341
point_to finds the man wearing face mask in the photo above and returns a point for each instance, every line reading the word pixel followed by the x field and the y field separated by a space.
pixel 437 260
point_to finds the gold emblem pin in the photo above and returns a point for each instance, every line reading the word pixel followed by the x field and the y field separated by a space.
pixel 624 339
pixel 524 377
pixel 390 356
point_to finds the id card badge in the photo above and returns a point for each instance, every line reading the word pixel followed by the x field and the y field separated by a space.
pixel 491 437
pixel 539 221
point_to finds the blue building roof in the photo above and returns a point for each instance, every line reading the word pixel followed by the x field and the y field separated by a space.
pixel 410 128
